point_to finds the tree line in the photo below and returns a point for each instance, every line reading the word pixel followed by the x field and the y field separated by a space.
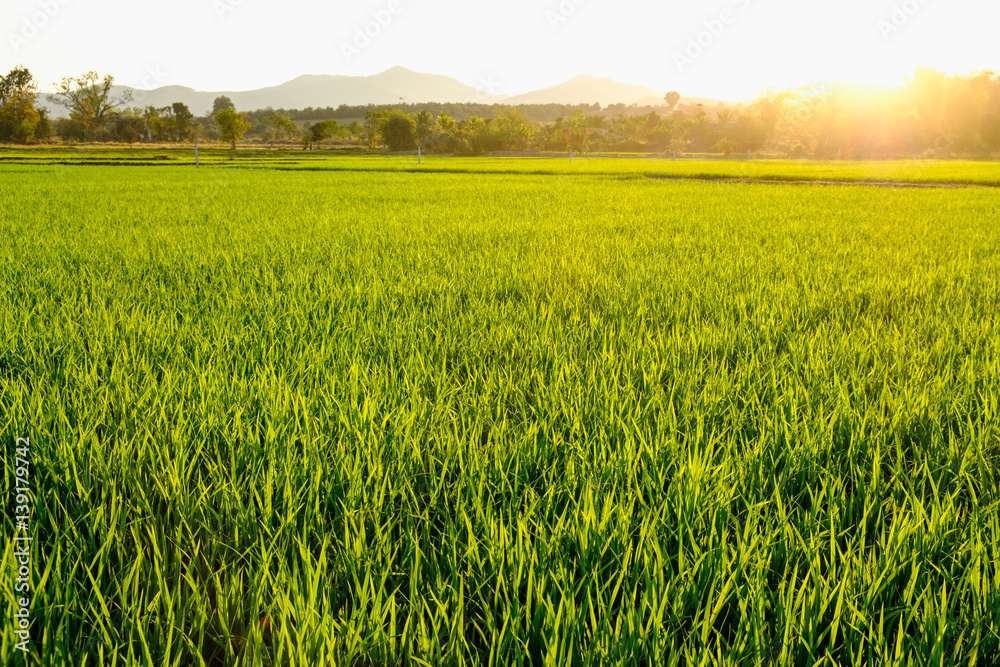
pixel 932 115
pixel 538 113
pixel 21 119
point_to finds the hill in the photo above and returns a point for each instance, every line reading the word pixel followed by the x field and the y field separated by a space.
pixel 392 86
pixel 315 90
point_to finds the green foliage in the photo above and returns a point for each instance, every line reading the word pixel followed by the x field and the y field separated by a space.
pixel 536 113
pixel 534 416
pixel 933 115
pixel 182 121
pixel 371 129
pixel 18 80
pixel 320 132
pixel 398 131
pixel 424 126
pixel 221 102
pixel 89 101
pixel 726 146
pixel 232 125
pixel 43 130
pixel 19 118
pixel 156 124
pixel 446 123
pixel 153 122
pixel 279 125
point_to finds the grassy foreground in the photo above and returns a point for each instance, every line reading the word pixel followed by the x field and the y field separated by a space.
pixel 842 171
pixel 378 417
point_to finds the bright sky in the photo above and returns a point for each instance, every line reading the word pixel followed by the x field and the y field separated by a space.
pixel 512 46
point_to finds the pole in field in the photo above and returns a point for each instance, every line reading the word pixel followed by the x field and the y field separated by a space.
pixel 196 153
pixel 571 155
pixel 420 157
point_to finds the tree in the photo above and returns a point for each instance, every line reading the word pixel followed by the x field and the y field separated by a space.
pixel 232 124
pixel 44 128
pixel 354 130
pixel 662 133
pixel 69 129
pixel 19 119
pixel 672 98
pixel 475 136
pixel 128 133
pixel 152 122
pixel 19 79
pixel 277 124
pixel 88 99
pixel 446 123
pixel 320 132
pixel 513 130
pixel 424 127
pixel 725 146
pixel 398 131
pixel 182 121
pixel 371 129
pixel 576 131
pixel 222 102
pixel 760 122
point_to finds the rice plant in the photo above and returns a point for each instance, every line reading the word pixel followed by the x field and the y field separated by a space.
pixel 379 417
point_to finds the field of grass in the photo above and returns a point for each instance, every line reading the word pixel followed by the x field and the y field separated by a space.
pixel 348 413
pixel 892 171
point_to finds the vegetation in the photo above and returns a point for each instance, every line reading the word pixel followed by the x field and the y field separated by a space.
pixel 232 125
pixel 89 102
pixel 569 417
pixel 398 131
pixel 320 132
pixel 20 120
pixel 933 115
pixel 890 173
pixel 279 126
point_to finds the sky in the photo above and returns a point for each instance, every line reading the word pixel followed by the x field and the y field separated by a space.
pixel 723 49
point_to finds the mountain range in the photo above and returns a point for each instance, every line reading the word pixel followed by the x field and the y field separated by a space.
pixel 389 87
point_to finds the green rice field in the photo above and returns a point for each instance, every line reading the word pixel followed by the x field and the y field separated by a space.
pixel 297 409
pixel 954 172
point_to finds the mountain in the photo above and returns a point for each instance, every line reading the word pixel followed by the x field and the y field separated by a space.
pixel 390 87
pixel 315 90
pixel 587 90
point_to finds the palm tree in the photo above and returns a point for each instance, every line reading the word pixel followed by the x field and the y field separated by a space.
pixel 425 123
